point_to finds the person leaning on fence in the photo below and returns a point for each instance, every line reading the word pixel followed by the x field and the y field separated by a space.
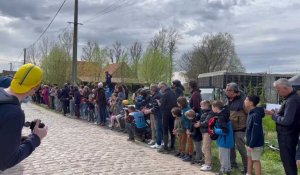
pixel 187 138
pixel 254 134
pixel 223 128
pixel 287 124
pixel 166 103
pixel 12 151
pixel 238 117
pixel 178 131
pixel 155 117
pixel 206 145
pixel 195 134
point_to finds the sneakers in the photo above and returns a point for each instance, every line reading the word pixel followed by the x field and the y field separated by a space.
pixel 188 158
pixel 156 146
pixel 152 142
pixel 181 155
pixel 206 168
pixel 177 154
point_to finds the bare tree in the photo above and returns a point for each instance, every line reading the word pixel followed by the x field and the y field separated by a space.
pixel 165 42
pixel 117 52
pixel 87 51
pixel 66 42
pixel 33 55
pixel 135 56
pixel 213 53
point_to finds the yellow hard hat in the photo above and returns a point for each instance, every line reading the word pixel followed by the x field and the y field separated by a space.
pixel 26 78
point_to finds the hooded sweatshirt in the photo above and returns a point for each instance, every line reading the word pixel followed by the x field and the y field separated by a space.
pixel 12 118
pixel 254 131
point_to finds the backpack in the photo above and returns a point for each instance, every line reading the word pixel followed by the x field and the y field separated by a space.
pixel 211 127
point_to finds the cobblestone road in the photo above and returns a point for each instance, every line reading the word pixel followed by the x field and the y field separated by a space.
pixel 76 147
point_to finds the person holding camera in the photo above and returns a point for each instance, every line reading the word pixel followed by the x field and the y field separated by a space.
pixel 12 150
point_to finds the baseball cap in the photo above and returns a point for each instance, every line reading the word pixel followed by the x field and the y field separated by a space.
pixel 26 78
pixel 5 82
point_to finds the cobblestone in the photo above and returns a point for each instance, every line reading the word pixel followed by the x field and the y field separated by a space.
pixel 76 147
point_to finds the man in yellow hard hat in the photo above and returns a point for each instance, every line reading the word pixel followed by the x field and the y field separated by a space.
pixel 12 151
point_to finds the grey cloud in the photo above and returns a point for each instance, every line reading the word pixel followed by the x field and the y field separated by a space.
pixel 250 22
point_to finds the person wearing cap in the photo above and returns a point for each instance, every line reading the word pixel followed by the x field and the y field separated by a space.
pixel 5 82
pixel 238 117
pixel 12 151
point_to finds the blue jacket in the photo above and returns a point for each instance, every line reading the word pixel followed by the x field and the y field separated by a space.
pixel 12 150
pixel 223 128
pixel 254 131
pixel 139 119
pixel 184 120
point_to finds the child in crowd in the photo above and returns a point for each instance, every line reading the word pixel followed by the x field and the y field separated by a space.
pixel 178 131
pixel 135 124
pixel 254 134
pixel 91 108
pixel 223 128
pixel 203 124
pixel 195 134
pixel 183 105
pixel 113 110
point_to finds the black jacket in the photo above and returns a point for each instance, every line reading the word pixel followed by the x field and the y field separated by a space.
pixel 298 151
pixel 204 119
pixel 12 118
pixel 100 97
pixel 77 97
pixel 254 131
pixel 195 100
pixel 153 105
pixel 65 94
pixel 223 119
pixel 168 101
pixel 195 132
pixel 288 118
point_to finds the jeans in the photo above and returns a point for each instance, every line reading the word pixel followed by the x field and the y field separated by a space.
pixel 65 106
pixel 198 150
pixel 287 146
pixel 77 110
pixel 224 156
pixel 132 130
pixel 159 130
pixel 102 114
pixel 168 126
pixel 72 107
pixel 83 110
pixel 91 115
pixel 239 139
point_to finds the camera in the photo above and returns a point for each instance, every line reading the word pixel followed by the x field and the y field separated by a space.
pixel 31 124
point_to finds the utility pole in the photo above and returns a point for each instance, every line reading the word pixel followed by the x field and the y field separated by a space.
pixel 24 56
pixel 10 66
pixel 75 37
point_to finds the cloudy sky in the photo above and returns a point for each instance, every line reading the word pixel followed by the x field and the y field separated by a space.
pixel 266 32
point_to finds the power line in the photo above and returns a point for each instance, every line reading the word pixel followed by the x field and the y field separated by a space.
pixel 49 23
pixel 112 7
